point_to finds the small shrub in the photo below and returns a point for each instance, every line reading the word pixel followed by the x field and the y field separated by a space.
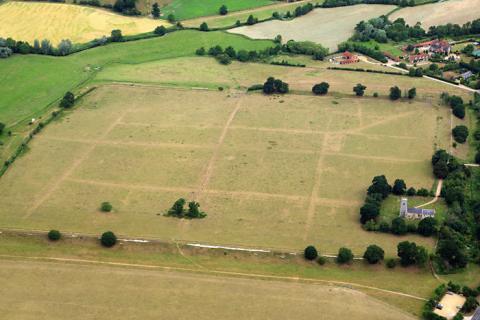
pixel 54 235
pixel 224 59
pixel 322 260
pixel 375 94
pixel 391 263
pixel 68 100
pixel 310 253
pixel 2 127
pixel 108 239
pixel 161 30
pixel 204 26
pixel 200 51
pixel 106 207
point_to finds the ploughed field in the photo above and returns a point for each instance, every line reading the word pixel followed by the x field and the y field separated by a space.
pixel 443 12
pixel 277 172
pixel 328 27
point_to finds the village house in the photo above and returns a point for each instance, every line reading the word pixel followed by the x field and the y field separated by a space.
pixel 426 49
pixel 414 58
pixel 466 75
pixel 348 57
pixel 414 213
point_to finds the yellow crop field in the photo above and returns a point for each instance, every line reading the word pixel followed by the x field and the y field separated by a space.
pixel 28 21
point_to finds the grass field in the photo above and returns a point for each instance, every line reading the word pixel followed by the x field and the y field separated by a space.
pixel 320 26
pixel 188 9
pixel 28 21
pixel 452 11
pixel 32 84
pixel 274 178
pixel 259 13
pixel 86 291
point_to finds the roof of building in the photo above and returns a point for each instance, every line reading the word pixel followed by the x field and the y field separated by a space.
pixel 349 55
pixel 424 212
pixel 476 315
pixel 419 56
pixel 422 44
pixel 466 75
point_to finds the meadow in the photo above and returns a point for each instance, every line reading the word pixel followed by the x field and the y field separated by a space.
pixel 321 25
pixel 270 172
pixel 443 12
pixel 188 9
pixel 28 21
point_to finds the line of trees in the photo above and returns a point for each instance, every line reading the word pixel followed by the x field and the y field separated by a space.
pixel 178 210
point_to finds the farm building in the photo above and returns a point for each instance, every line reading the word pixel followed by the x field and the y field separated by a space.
pixel 348 57
pixel 414 213
pixel 414 58
pixel 434 46
pixel 466 75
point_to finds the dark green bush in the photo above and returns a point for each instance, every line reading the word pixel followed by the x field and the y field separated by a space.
pixel 54 235
pixel 108 239
pixel 310 253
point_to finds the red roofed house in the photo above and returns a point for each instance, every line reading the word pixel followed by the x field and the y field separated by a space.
pixel 348 57
pixel 414 58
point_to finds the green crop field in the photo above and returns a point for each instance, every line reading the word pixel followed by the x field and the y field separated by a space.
pixel 266 176
pixel 188 9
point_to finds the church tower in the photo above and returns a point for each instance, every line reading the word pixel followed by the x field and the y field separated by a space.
pixel 403 207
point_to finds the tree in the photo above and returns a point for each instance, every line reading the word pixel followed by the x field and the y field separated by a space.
pixel 421 256
pixel 155 10
pixel 440 169
pixel 369 211
pixel 345 255
pixel 5 52
pixel 374 254
pixel 320 88
pixel 116 35
pixel 230 51
pixel 54 235
pixel 68 100
pixel 399 226
pixel 178 208
pixel 273 85
pixel 453 253
pixel 200 51
pixel 194 211
pixel 251 20
pixel 427 227
pixel 310 253
pixel 204 26
pixel 470 304
pixel 411 192
pixel 407 251
pixel 359 90
pixel 161 30
pixel 171 18
pixel 395 93
pixel 380 185
pixel 412 93
pixel 223 10
pixel 399 187
pixel 460 133
pixel 459 111
pixel 224 59
pixel 108 239
pixel 2 127
pixel 391 263
pixel 64 47
pixel 106 207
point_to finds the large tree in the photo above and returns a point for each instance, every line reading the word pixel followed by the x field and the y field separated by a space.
pixel 320 88
pixel 359 89
pixel 407 251
pixel 345 255
pixel 155 10
pixel 395 93
pixel 453 253
pixel 380 185
pixel 427 227
pixel 223 10
pixel 399 187
pixel 374 254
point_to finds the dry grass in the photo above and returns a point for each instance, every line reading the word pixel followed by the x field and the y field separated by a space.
pixel 326 26
pixel 290 171
pixel 452 11
pixel 117 292
pixel 28 21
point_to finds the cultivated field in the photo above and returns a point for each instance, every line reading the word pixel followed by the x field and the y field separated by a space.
pixel 326 26
pixel 270 172
pixel 28 21
pixel 443 12
pixel 188 9
pixel 87 292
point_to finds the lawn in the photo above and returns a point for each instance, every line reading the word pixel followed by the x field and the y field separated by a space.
pixel 384 47
pixel 28 21
pixel 391 206
pixel 288 171
pixel 443 12
pixel 320 25
pixel 188 9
